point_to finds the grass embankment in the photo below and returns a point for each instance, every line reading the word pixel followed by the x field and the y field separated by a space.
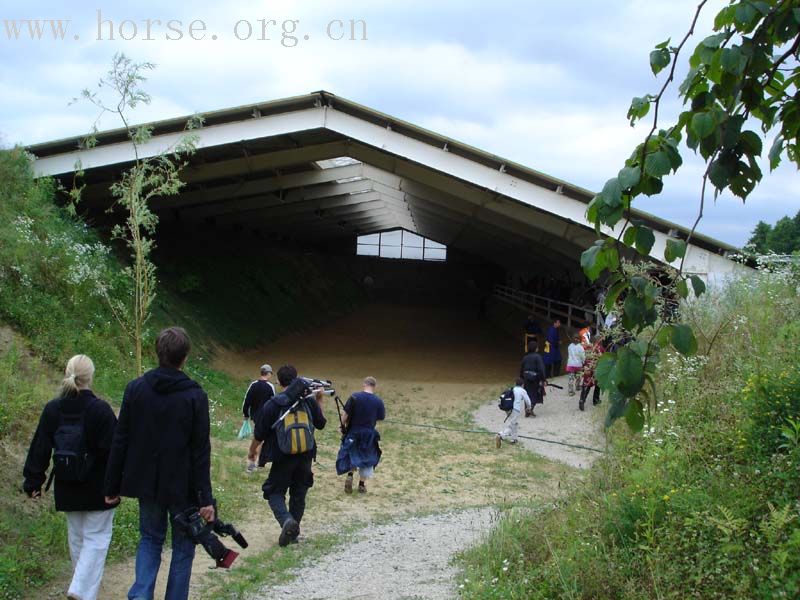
pixel 705 503
pixel 56 276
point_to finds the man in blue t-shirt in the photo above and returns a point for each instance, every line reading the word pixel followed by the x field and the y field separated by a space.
pixel 360 449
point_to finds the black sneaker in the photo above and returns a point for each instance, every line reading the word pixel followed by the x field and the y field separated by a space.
pixel 362 489
pixel 289 532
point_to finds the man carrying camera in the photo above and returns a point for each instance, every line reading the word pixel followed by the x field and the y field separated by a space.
pixel 285 425
pixel 161 455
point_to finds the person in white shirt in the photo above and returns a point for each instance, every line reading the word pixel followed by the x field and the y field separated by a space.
pixel 521 402
pixel 576 356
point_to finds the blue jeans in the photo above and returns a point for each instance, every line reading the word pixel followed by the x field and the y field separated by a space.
pixel 153 532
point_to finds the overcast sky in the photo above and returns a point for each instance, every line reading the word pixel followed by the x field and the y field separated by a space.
pixel 543 83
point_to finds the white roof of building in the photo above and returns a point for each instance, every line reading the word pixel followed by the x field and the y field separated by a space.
pixel 324 165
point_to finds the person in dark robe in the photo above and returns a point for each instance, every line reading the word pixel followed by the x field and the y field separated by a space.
pixel 534 376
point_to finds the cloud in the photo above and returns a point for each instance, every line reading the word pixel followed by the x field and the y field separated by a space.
pixel 544 84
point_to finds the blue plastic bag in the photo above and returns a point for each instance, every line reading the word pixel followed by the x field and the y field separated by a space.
pixel 246 431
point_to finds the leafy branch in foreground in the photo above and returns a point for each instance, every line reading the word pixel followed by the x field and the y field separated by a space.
pixel 745 76
pixel 152 174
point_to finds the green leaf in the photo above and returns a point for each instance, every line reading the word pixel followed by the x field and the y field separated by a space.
pixel 629 236
pixel 645 238
pixel 698 285
pixel 657 164
pixel 629 177
pixel 675 249
pixel 613 294
pixel 751 142
pixel 634 416
pixel 633 312
pixel 593 262
pixel 744 15
pixel 663 336
pixel 604 371
pixel 638 109
pixel 612 193
pixel 714 41
pixel 618 405
pixel 683 339
pixel 683 288
pixel 659 58
pixel 732 61
pixel 775 153
pixel 702 124
pixel 629 372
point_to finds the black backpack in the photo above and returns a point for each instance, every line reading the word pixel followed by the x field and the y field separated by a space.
pixel 506 400
pixel 72 460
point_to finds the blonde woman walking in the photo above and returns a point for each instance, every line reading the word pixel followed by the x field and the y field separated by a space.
pixel 76 430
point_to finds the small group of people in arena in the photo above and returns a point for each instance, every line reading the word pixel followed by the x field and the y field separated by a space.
pixel 538 367
pixel 158 451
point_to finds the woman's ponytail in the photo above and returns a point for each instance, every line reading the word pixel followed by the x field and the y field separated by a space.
pixel 78 375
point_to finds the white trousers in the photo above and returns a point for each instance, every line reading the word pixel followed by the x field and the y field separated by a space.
pixel 89 534
pixel 509 433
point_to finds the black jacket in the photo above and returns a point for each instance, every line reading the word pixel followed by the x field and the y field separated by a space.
pixel 532 361
pixel 161 450
pixel 257 394
pixel 98 425
pixel 274 408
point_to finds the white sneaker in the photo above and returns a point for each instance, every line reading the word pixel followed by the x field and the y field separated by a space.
pixel 251 466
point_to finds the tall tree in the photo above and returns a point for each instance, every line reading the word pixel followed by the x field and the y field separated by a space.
pixel 758 241
pixel 150 176
pixel 784 237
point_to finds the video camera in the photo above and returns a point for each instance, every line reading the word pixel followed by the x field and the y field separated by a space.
pixel 202 532
pixel 312 386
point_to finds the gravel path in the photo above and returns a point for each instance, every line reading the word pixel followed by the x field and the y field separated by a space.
pixel 405 559
pixel 557 419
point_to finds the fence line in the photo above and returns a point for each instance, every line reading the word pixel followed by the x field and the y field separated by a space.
pixel 571 314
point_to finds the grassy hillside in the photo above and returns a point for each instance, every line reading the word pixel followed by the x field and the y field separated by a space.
pixel 705 503
pixel 56 276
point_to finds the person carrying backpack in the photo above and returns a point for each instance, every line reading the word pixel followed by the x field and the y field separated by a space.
pixel 521 400
pixel 285 430
pixel 76 429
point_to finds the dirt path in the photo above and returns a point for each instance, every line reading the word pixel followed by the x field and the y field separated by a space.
pixel 557 419
pixel 432 365
pixel 406 559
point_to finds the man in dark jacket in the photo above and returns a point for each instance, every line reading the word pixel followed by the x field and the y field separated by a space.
pixel 532 371
pixel 161 455
pixel 288 472
pixel 257 394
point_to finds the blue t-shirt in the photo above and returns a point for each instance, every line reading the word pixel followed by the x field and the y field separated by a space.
pixel 365 410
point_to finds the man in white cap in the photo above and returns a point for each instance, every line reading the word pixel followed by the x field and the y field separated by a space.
pixel 256 396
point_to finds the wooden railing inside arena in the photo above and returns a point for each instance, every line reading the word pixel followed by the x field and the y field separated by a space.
pixel 572 315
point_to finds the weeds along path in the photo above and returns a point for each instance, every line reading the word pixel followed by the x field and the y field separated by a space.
pixel 433 366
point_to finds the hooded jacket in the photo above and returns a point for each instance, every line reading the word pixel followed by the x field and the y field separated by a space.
pixel 272 410
pixel 161 450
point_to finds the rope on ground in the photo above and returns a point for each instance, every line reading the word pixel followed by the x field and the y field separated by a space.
pixel 484 432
